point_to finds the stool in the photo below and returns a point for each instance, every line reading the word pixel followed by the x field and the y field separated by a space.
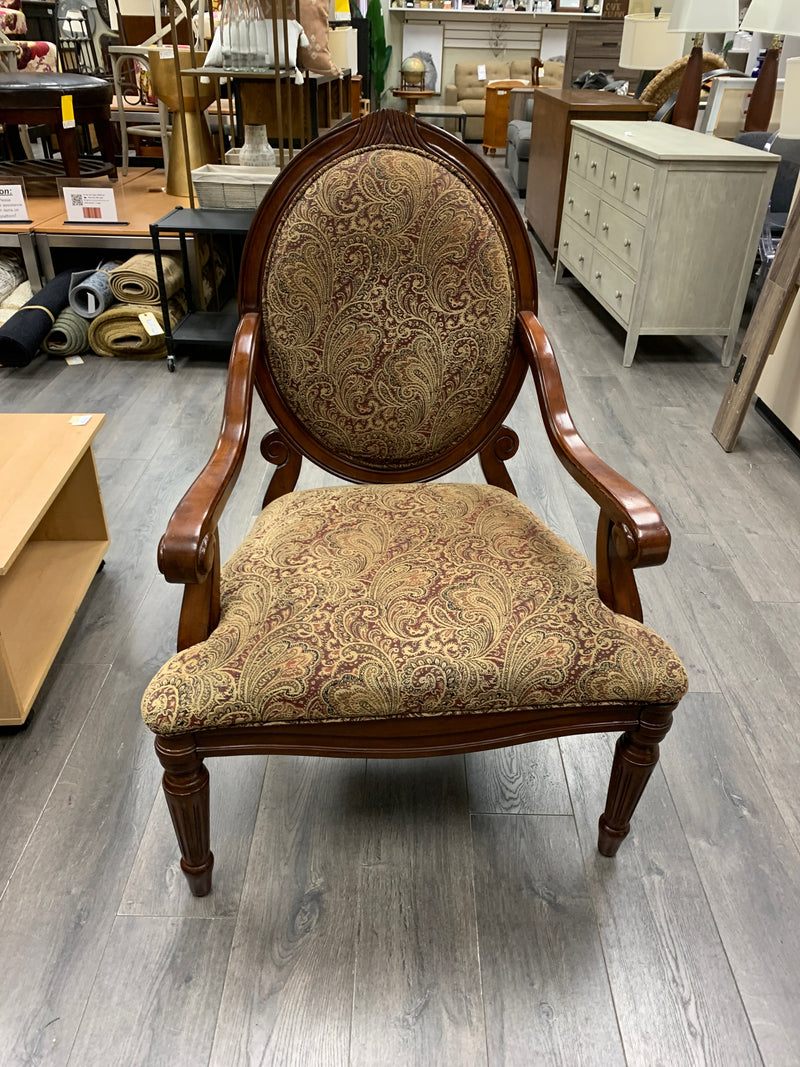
pixel 34 99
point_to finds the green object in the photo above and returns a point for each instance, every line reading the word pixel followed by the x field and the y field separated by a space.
pixel 380 52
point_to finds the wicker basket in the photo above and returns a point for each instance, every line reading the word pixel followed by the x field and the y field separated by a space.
pixel 221 186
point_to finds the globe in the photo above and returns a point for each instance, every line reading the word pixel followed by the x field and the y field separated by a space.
pixel 413 71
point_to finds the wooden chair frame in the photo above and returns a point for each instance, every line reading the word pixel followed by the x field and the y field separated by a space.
pixel 630 531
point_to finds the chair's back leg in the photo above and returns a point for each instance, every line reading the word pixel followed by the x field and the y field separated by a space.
pixel 635 757
pixel 186 790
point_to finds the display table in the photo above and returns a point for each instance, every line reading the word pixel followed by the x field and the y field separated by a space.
pixel 661 225
pixel 53 538
pixel 141 199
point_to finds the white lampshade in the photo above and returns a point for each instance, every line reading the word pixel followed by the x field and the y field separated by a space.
pixel 647 43
pixel 706 16
pixel 773 16
pixel 790 108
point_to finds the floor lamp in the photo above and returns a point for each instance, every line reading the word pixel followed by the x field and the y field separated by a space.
pixel 699 17
pixel 777 17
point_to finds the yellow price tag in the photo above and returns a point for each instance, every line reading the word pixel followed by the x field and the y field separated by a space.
pixel 67 113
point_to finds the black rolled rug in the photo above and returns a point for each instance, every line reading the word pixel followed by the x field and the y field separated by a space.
pixel 22 336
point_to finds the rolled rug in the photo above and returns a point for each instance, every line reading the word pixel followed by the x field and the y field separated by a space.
pixel 90 290
pixel 136 280
pixel 69 336
pixel 24 332
pixel 20 296
pixel 12 273
pixel 120 332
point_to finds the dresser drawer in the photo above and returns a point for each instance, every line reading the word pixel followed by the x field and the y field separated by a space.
pixel 581 206
pixel 612 285
pixel 578 154
pixel 575 251
pixel 615 174
pixel 638 184
pixel 620 235
pixel 596 163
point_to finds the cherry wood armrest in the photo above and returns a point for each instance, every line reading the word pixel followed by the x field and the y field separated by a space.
pixel 629 520
pixel 187 551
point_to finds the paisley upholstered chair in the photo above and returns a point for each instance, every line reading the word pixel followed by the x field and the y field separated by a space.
pixel 388 319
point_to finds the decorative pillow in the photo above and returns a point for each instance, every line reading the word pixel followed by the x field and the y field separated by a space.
pixel 12 21
pixel 313 15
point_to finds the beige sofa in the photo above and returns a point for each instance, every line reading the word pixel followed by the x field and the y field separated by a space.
pixel 470 92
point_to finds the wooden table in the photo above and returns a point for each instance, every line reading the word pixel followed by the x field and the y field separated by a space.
pixel 412 97
pixel 553 112
pixel 140 200
pixel 428 111
pixel 53 537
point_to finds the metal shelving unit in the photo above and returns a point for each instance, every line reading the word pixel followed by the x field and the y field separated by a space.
pixel 211 329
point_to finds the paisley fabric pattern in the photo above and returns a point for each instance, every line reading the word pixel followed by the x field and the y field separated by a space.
pixel 388 307
pixel 372 602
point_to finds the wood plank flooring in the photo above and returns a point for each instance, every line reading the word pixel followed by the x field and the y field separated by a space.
pixel 452 911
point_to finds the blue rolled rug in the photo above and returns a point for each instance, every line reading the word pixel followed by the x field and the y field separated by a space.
pixel 90 291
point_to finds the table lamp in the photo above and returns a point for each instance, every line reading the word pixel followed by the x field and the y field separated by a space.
pixel 647 45
pixel 777 17
pixel 698 17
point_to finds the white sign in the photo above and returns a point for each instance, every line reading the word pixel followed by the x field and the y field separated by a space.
pixel 90 204
pixel 12 204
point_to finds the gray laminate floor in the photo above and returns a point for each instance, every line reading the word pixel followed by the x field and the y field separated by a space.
pixel 451 911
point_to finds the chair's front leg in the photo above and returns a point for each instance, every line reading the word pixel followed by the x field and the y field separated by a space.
pixel 186 790
pixel 635 758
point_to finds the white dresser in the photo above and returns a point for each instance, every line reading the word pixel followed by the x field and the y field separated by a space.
pixel 661 225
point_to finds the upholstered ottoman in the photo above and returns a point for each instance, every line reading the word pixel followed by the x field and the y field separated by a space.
pixel 35 99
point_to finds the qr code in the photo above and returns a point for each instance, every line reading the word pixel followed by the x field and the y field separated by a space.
pixel 76 199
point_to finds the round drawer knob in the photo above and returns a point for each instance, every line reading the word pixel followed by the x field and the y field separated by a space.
pixel 565 244
pixel 580 259
pixel 627 242
pixel 636 187
pixel 598 275
pixel 618 295
pixel 577 155
pixel 586 213
pixel 605 227
pixel 613 176
pixel 593 164
pixel 571 201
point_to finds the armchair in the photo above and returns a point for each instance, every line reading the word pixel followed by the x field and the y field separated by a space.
pixel 388 320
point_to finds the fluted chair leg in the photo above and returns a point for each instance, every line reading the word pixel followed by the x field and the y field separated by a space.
pixel 635 758
pixel 186 790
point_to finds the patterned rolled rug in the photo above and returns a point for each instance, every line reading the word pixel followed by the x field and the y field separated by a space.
pixel 120 332
pixel 90 290
pixel 24 332
pixel 69 336
pixel 12 273
pixel 136 280
pixel 14 302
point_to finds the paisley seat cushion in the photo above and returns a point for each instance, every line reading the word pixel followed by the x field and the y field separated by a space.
pixel 373 602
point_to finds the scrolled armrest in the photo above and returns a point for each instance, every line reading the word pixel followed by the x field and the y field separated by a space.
pixel 186 551
pixel 640 535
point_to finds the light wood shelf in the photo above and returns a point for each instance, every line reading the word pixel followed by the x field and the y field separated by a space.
pixel 53 539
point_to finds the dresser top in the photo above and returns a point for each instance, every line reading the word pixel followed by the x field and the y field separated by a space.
pixel 659 140
pixel 591 99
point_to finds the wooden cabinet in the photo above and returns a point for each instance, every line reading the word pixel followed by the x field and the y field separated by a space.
pixel 52 540
pixel 553 111
pixel 661 225
pixel 595 45
pixel 495 118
